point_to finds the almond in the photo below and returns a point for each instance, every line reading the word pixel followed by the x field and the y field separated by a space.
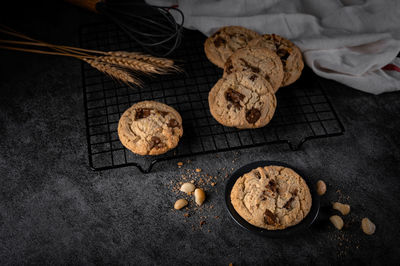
pixel 343 208
pixel 199 196
pixel 367 226
pixel 321 187
pixel 187 188
pixel 180 203
pixel 336 221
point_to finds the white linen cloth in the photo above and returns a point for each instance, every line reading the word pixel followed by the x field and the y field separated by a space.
pixel 349 41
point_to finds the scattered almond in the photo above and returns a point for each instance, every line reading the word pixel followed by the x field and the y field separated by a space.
pixel 199 196
pixel 367 226
pixel 187 188
pixel 336 221
pixel 180 163
pixel 343 208
pixel 321 187
pixel 180 203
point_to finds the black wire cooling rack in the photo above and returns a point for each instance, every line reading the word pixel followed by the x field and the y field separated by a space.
pixel 303 113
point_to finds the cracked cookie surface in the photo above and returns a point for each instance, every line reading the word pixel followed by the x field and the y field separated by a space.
pixel 288 52
pixel 271 197
pixel 261 61
pixel 243 100
pixel 223 43
pixel 150 128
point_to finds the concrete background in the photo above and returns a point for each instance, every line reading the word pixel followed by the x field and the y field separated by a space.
pixel 55 210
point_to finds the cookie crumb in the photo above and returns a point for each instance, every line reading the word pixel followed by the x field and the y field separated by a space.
pixel 202 223
pixel 186 215
pixel 180 163
pixel 213 184
pixel 198 170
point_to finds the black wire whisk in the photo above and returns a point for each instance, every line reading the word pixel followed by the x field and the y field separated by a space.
pixel 154 28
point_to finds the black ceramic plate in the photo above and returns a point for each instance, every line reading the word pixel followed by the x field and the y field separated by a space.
pixel 304 224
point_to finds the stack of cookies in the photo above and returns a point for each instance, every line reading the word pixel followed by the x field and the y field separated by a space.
pixel 255 67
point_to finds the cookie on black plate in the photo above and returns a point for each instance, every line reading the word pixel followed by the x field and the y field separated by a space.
pixel 271 197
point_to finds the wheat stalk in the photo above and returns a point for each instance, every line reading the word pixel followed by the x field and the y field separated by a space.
pixel 112 71
pixel 120 65
pixel 134 64
pixel 146 58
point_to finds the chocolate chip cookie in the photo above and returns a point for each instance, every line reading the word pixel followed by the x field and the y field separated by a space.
pixel 261 61
pixel 242 99
pixel 219 46
pixel 150 128
pixel 271 197
pixel 288 52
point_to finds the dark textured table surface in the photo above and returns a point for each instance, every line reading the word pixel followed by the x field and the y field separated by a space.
pixel 55 210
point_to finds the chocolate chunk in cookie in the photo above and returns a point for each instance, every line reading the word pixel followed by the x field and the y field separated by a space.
pixel 269 217
pixel 247 66
pixel 283 54
pixel 272 186
pixel 162 113
pixel 228 66
pixel 253 77
pixel 234 97
pixel 172 123
pixel 142 113
pixel 288 203
pixel 155 142
pixel 219 41
pixel 253 115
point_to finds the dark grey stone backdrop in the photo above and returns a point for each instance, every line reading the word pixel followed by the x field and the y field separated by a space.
pixel 55 210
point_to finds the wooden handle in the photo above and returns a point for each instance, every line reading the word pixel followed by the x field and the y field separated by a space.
pixel 87 4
